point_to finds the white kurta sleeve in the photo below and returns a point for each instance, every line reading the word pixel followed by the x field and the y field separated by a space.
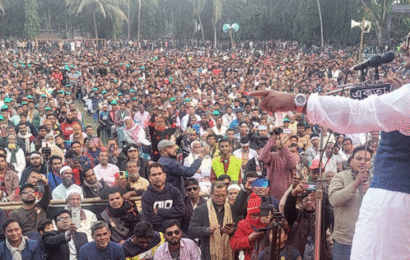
pixel 387 112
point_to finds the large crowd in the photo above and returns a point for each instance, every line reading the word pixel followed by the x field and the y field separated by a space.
pixel 173 124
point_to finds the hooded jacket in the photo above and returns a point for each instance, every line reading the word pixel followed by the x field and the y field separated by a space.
pixel 168 202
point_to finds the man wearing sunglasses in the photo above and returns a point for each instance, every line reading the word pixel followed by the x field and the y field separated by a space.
pixel 378 232
pixel 176 247
pixel 192 200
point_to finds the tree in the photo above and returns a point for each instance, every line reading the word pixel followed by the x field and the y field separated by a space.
pixel 217 14
pixel 110 7
pixel 377 9
pixel 198 6
pixel 32 20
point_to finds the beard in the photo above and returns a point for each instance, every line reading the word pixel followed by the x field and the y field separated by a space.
pixel 29 201
pixel 67 182
pixel 70 121
pixel 174 242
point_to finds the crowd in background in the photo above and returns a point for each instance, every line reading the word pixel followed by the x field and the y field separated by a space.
pixel 177 128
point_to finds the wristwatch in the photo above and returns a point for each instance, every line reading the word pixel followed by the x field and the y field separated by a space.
pixel 300 101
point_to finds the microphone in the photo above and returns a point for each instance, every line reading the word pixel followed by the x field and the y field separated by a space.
pixel 374 61
pixel 387 57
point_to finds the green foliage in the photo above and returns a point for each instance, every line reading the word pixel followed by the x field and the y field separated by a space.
pixel 258 19
pixel 32 20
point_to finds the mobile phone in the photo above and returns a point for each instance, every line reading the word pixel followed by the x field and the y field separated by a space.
pixel 287 131
pixel 123 174
pixel 229 225
pixel 311 186
pixel 76 217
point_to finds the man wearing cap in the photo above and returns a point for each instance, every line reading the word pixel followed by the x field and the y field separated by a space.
pixel 36 163
pixel 313 150
pixel 174 170
pixel 61 191
pixel 31 213
pixel 302 221
pixel 260 137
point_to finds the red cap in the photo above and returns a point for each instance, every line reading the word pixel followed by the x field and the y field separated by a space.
pixel 315 165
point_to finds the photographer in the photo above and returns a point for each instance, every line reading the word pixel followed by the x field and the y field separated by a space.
pixel 302 221
pixel 251 229
pixel 260 188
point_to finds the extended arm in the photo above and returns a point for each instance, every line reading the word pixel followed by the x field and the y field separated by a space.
pixel 388 112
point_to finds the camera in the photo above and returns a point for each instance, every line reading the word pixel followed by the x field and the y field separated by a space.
pixel 278 131
pixel 265 206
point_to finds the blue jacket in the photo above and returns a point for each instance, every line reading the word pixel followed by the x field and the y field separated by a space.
pixel 392 164
pixel 31 252
pixel 175 171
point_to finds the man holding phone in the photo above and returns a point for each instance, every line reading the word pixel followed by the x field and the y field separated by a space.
pixel 253 184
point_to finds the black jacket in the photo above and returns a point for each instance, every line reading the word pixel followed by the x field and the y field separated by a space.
pixel 142 164
pixel 302 224
pixel 57 246
pixel 198 228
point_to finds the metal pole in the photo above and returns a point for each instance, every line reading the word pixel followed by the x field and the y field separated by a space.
pixel 318 220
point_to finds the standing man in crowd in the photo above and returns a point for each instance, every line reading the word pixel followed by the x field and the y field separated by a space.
pixel 213 224
pixel 346 193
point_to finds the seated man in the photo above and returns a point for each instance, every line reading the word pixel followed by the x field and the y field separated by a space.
pixel 176 247
pixel 61 191
pixel 11 180
pixel 16 246
pixel 106 171
pixel 144 242
pixel 161 201
pixel 86 217
pixel 91 186
pixel 134 184
pixel 101 247
pixel 65 243
pixel 120 214
pixel 31 212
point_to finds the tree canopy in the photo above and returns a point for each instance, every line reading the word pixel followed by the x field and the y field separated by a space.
pixel 258 19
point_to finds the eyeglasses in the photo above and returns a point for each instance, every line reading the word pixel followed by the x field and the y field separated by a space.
pixel 64 219
pixel 190 189
pixel 28 192
pixel 171 233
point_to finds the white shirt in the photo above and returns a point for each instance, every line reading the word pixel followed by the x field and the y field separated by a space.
pixel 221 131
pixel 60 192
pixel 251 154
pixel 184 121
pixel 227 119
pixel 107 174
pixel 387 112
